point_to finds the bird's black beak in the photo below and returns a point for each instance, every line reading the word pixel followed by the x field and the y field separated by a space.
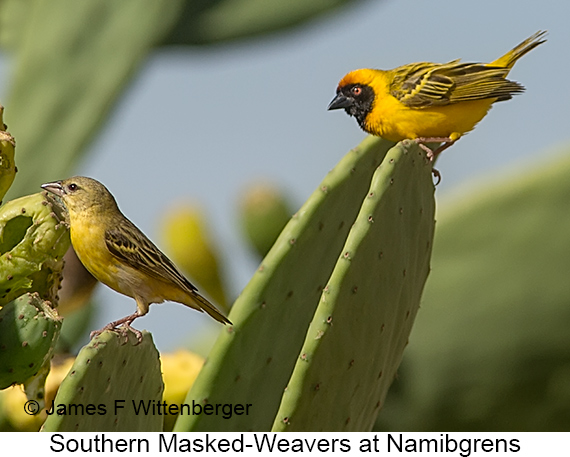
pixel 340 101
pixel 54 187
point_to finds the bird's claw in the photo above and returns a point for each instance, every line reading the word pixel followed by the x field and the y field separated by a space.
pixel 122 326
pixel 125 328
pixel 428 151
pixel 432 154
pixel 96 333
pixel 436 174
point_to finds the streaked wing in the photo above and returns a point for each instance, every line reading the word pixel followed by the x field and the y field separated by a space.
pixel 426 84
pixel 128 244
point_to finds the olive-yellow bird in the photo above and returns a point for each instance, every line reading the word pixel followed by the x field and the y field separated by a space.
pixel 119 255
pixel 429 102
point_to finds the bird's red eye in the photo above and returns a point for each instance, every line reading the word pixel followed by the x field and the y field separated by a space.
pixel 356 91
pixel 72 187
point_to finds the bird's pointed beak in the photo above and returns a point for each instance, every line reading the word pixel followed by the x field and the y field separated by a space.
pixel 340 101
pixel 54 187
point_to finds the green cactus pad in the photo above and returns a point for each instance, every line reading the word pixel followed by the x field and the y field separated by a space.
pixel 357 337
pixel 110 372
pixel 252 360
pixel 33 240
pixel 29 329
pixel 35 387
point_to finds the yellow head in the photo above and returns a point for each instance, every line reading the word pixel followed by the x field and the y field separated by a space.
pixel 81 194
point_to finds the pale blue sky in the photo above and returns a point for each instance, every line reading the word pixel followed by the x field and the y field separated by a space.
pixel 202 123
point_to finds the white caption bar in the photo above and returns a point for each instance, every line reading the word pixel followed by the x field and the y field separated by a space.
pixel 413 444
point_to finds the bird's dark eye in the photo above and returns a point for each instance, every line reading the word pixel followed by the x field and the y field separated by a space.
pixel 72 187
pixel 356 91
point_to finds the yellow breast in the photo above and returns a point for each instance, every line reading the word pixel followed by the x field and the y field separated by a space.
pixel 88 240
pixel 391 119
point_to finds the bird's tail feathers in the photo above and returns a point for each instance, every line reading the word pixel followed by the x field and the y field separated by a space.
pixel 202 304
pixel 510 58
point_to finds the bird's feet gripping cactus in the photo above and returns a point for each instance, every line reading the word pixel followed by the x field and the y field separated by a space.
pixel 122 326
pixel 432 154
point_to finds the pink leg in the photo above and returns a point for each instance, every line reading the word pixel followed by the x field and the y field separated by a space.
pixel 431 155
pixel 447 142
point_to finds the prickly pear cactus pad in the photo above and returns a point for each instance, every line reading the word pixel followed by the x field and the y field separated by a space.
pixel 29 329
pixel 360 329
pixel 35 387
pixel 252 360
pixel 110 382
pixel 33 240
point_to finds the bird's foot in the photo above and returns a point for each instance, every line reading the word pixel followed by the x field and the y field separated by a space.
pixel 124 330
pixel 125 326
pixel 432 154
pixel 426 149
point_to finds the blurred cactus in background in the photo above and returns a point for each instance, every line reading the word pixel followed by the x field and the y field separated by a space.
pixel 179 371
pixel 7 162
pixel 188 242
pixel 188 239
pixel 264 212
pixel 72 60
pixel 76 286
